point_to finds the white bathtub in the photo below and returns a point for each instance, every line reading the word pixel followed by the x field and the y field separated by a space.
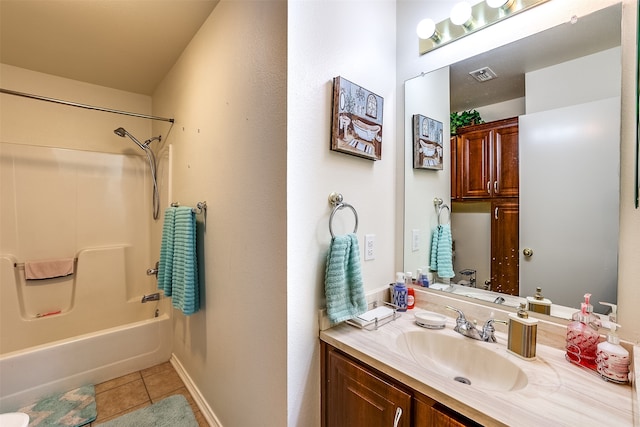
pixel 92 358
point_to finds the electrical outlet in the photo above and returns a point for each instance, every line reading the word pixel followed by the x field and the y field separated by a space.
pixel 369 247
pixel 415 240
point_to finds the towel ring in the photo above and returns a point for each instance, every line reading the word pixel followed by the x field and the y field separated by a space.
pixel 336 200
pixel 440 206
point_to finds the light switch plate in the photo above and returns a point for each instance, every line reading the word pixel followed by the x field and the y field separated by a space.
pixel 415 240
pixel 369 247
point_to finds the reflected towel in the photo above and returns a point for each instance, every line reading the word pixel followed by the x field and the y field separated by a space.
pixel 441 257
pixel 343 285
pixel 185 288
pixel 445 252
pixel 48 269
pixel 165 267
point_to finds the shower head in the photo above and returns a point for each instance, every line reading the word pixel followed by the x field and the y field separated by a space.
pixel 122 132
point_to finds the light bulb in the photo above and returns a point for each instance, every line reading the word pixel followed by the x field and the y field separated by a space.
pixel 426 29
pixel 496 3
pixel 461 13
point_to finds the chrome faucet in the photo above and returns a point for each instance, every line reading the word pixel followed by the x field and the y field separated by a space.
pixel 468 329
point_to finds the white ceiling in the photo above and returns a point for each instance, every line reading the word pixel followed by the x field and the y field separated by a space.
pixel 122 44
pixel 590 34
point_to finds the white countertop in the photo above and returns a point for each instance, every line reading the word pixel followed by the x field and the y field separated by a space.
pixel 557 393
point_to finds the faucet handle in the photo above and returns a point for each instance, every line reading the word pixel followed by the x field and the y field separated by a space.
pixel 460 313
pixel 488 329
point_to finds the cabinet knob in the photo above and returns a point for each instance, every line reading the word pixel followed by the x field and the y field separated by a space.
pixel 528 252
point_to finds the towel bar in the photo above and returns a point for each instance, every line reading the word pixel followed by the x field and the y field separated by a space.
pixel 336 200
pixel 200 207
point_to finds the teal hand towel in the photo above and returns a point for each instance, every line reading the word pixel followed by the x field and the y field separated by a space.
pixel 433 259
pixel 185 287
pixel 343 285
pixel 445 252
pixel 165 266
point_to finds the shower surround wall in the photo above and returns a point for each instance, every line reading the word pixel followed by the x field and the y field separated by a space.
pixel 69 188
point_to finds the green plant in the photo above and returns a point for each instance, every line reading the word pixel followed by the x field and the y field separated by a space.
pixel 465 118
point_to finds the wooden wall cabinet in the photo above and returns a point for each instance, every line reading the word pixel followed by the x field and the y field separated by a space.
pixel 356 395
pixel 485 161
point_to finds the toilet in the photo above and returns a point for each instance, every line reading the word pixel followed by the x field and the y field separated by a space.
pixel 14 419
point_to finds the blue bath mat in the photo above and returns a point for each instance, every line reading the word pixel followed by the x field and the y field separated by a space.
pixel 170 412
pixel 73 408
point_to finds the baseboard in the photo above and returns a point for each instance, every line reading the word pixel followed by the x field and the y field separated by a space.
pixel 202 404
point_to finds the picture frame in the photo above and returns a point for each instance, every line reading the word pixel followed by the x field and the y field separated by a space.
pixel 428 147
pixel 357 125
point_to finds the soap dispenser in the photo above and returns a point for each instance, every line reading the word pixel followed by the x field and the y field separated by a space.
pixel 582 338
pixel 612 359
pixel 538 303
pixel 523 333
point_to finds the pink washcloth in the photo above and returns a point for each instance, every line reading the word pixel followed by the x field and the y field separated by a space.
pixel 48 269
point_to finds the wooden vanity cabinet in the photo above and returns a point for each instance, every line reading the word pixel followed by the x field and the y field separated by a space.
pixel 356 395
pixel 485 161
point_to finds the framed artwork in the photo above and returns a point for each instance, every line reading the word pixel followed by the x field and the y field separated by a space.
pixel 427 143
pixel 356 127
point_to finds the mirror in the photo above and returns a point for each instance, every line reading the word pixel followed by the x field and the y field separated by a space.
pixel 531 86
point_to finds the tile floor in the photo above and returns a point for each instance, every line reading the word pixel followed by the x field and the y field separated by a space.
pixel 139 389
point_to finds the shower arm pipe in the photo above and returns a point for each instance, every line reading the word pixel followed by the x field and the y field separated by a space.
pixel 88 107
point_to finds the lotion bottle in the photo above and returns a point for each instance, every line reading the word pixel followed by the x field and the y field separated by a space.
pixel 612 359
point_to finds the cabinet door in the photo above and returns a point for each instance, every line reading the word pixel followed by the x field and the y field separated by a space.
pixel 429 413
pixel 357 397
pixel 505 153
pixel 505 247
pixel 475 164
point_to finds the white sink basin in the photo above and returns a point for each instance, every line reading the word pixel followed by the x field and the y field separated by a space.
pixel 463 359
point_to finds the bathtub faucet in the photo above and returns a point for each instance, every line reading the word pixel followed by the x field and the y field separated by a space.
pixel 151 297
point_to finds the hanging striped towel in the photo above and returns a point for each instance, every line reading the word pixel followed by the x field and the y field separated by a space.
pixel 165 267
pixel 445 252
pixel 343 285
pixel 185 287
pixel 441 257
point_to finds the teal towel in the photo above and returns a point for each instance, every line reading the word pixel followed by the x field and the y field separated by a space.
pixel 343 285
pixel 445 252
pixel 185 262
pixel 442 252
pixel 165 267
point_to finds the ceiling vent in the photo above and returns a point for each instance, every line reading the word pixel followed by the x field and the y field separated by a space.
pixel 483 74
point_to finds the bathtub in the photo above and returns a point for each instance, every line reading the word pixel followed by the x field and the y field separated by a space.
pixel 86 359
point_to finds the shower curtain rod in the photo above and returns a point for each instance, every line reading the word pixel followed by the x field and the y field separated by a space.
pixel 89 107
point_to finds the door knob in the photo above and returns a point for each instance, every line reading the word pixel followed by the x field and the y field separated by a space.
pixel 528 252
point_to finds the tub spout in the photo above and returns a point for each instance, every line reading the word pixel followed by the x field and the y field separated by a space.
pixel 151 297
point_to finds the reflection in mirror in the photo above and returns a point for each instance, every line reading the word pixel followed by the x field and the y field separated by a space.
pixel 563 84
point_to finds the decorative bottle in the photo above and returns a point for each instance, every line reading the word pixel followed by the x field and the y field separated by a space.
pixel 582 339
pixel 612 359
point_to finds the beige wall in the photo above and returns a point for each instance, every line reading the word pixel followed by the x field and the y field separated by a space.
pixel 227 93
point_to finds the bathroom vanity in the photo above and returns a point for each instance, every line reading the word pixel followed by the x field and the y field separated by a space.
pixel 404 375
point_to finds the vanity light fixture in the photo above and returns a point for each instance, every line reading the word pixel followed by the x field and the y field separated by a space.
pixel 466 19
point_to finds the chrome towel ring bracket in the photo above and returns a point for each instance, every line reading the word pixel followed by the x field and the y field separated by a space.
pixel 439 204
pixel 336 201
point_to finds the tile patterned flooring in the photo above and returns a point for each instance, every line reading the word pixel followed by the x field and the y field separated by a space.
pixel 142 388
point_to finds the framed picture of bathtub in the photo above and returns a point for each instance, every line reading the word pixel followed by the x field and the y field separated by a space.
pixel 427 143
pixel 356 126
